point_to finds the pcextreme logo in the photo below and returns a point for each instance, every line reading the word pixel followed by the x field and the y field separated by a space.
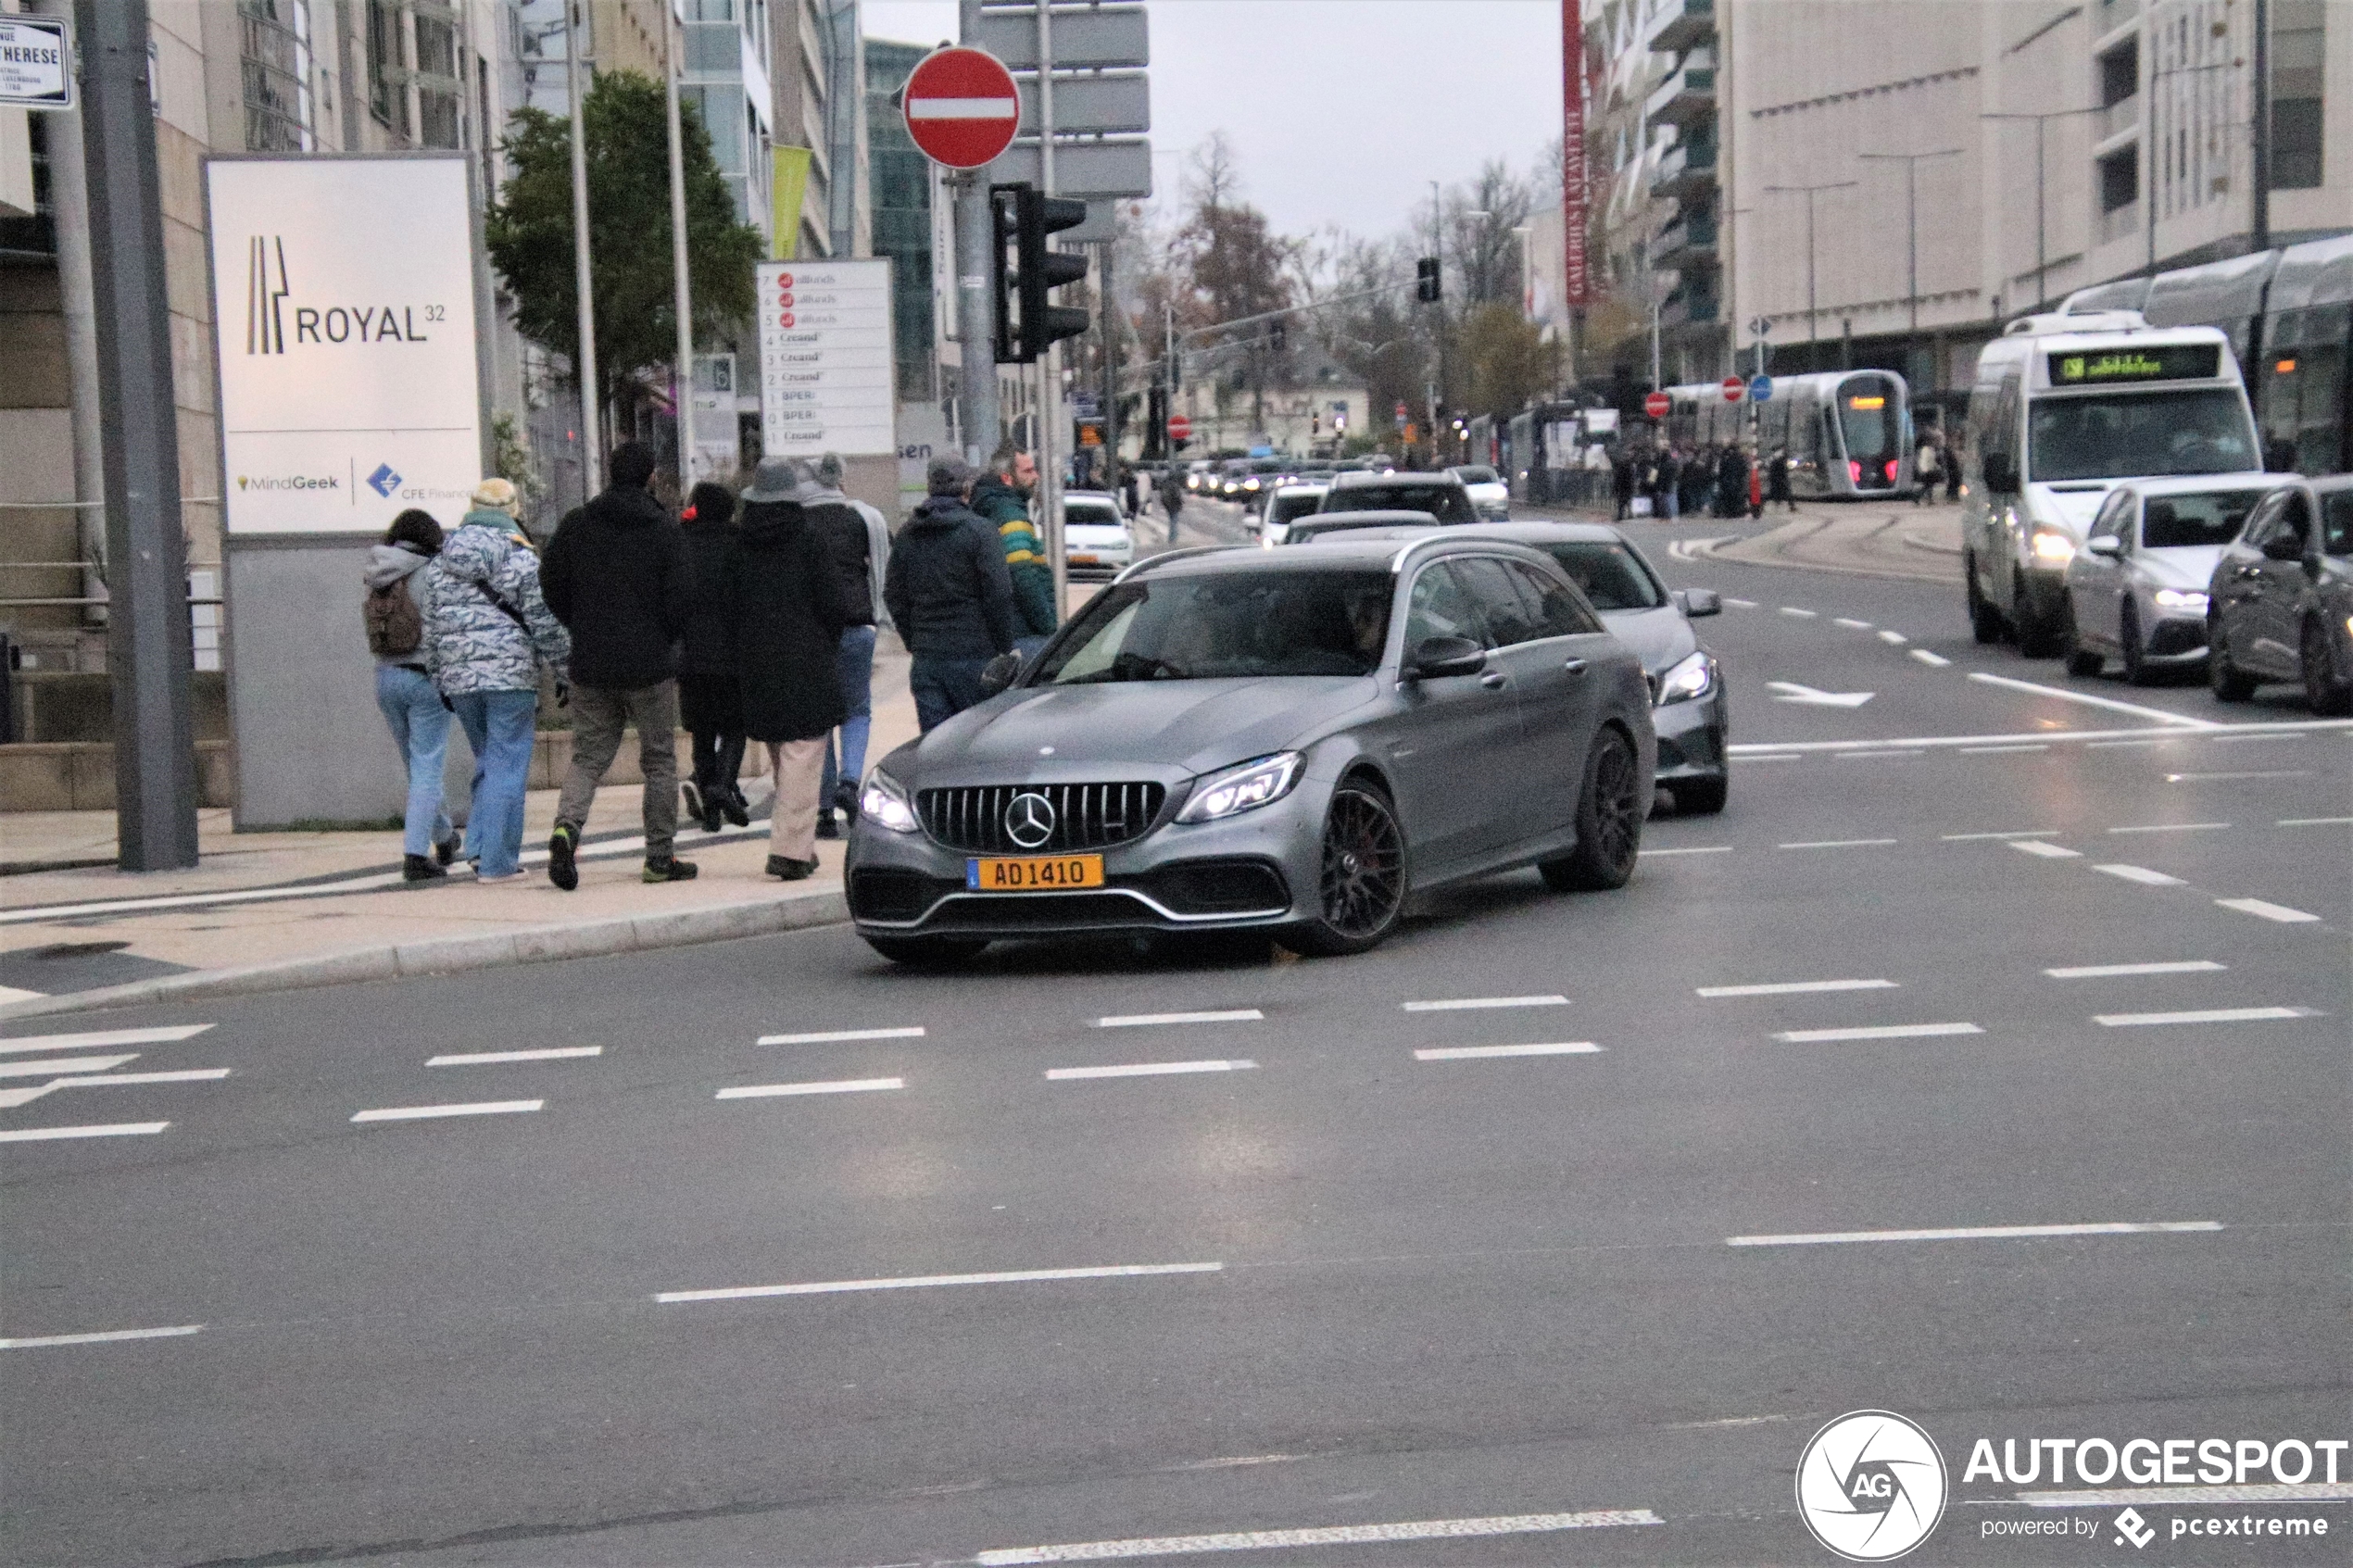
pixel 1872 1486
pixel 268 289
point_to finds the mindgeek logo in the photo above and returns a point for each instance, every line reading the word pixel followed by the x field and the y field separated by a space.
pixel 1872 1486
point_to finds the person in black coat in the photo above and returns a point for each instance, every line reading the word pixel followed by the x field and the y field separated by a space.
pixel 709 700
pixel 788 616
pixel 949 594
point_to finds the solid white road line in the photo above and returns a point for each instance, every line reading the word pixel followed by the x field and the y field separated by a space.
pixel 1701 848
pixel 2242 740
pixel 2048 851
pixel 2260 1491
pixel 1766 756
pixel 2275 773
pixel 1852 624
pixel 1966 838
pixel 114 1130
pixel 1999 751
pixel 1876 1032
pixel 1480 1053
pixel 426 1112
pixel 2142 876
pixel 2257 906
pixel 103 1038
pixel 1861 755
pixel 830 1036
pixel 111 1337
pixel 2109 970
pixel 1838 844
pixel 2121 745
pixel 830 1087
pixel 1743 604
pixel 1148 1069
pixel 2211 1015
pixel 1473 1004
pixel 63 1064
pixel 1933 661
pixel 2159 714
pixel 1798 614
pixel 919 1282
pixel 1794 987
pixel 1976 1233
pixel 2312 822
pixel 1141 1020
pixel 485 1059
pixel 1335 1534
pixel 2089 738
pixel 1893 639
pixel 2172 827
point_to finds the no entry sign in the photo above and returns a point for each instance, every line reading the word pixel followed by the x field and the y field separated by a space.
pixel 962 108
pixel 1656 405
pixel 1179 428
pixel 1733 388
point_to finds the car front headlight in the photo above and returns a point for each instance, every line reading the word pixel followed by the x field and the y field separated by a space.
pixel 1243 787
pixel 2053 548
pixel 1691 678
pixel 1249 484
pixel 884 803
pixel 2181 599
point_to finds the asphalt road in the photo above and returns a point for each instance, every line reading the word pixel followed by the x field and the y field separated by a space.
pixel 1584 1291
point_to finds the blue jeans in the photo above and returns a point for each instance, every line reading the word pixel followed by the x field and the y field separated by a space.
pixel 857 667
pixel 499 725
pixel 943 688
pixel 420 728
pixel 1674 500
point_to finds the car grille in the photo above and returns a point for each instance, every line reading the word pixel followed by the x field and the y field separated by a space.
pixel 1086 816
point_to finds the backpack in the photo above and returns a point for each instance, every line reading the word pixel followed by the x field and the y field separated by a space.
pixel 394 626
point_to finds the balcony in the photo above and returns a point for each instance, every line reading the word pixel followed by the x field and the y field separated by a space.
pixel 2120 222
pixel 1684 97
pixel 2112 122
pixel 1689 170
pixel 1689 24
pixel 2113 14
pixel 1688 243
pixel 1687 306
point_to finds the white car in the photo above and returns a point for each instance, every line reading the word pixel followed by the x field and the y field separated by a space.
pixel 1287 502
pixel 1487 491
pixel 2137 587
pixel 1095 538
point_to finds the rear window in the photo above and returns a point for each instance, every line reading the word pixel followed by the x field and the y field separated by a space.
pixel 2209 517
pixel 2337 522
pixel 1447 503
pixel 1094 514
pixel 1611 576
pixel 1477 474
pixel 1282 509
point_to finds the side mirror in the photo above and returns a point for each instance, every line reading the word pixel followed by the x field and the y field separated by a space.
pixel 999 673
pixel 1436 657
pixel 1698 601
pixel 2107 544
pixel 2283 546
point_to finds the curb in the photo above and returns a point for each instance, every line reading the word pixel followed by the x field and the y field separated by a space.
pixel 456 955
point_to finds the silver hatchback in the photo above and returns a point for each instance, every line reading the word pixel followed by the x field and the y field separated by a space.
pixel 2137 589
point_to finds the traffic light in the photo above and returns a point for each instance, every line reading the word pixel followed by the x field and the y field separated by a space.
pixel 1027 320
pixel 1426 287
pixel 1279 336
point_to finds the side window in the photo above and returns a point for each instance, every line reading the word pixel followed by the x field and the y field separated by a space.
pixel 1512 615
pixel 2115 517
pixel 1564 612
pixel 1442 606
pixel 2337 520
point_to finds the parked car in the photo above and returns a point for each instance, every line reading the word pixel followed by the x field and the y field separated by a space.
pixel 1285 505
pixel 1095 538
pixel 1289 740
pixel 1488 494
pixel 2279 601
pixel 1439 495
pixel 2137 589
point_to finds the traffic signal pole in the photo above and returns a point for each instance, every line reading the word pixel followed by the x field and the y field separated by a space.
pixel 1050 367
pixel 977 262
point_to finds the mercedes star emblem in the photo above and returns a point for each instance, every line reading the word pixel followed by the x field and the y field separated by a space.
pixel 1030 820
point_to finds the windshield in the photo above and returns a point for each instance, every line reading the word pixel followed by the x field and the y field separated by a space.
pixel 1609 573
pixel 2132 434
pixel 1235 623
pixel 1282 509
pixel 2209 517
pixel 1869 425
pixel 1447 503
pixel 1477 474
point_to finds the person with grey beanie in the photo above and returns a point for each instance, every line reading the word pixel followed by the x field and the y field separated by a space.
pixel 859 541
pixel 948 593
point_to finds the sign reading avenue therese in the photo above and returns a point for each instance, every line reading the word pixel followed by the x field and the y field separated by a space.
pixel 826 382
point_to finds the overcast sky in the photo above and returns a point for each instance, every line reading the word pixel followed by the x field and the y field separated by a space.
pixel 1340 111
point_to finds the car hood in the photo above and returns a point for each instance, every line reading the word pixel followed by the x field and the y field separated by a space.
pixel 1661 638
pixel 2180 566
pixel 1140 729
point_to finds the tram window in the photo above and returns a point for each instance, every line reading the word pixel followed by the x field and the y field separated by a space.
pixel 1867 425
pixel 2146 432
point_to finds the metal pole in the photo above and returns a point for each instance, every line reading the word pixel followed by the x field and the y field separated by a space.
pixel 1110 378
pixel 1049 499
pixel 2260 215
pixel 69 198
pixel 148 651
pixel 2042 246
pixel 592 463
pixel 682 290
pixel 976 245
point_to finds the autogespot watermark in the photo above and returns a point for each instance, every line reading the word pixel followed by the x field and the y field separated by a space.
pixel 1870 1486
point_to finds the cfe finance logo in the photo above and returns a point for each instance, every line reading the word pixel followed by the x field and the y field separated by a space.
pixel 1872 1486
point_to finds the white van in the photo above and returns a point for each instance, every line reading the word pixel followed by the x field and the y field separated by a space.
pixel 2065 408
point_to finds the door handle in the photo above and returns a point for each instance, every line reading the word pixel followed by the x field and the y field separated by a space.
pixel 1493 681
pixel 1577 666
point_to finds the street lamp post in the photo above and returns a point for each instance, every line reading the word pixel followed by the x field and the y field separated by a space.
pixel 1810 192
pixel 1911 162
pixel 682 300
pixel 2042 246
pixel 585 368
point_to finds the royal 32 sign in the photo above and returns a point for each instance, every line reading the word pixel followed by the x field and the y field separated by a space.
pixel 826 374
pixel 343 311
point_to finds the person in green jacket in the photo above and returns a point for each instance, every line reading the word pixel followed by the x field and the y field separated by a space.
pixel 1002 496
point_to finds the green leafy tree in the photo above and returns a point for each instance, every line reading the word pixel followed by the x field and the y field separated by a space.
pixel 530 231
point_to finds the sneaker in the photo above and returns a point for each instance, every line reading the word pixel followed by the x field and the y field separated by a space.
pixel 736 808
pixel 669 867
pixel 691 793
pixel 786 870
pixel 420 868
pixel 827 826
pixel 561 869
pixel 445 851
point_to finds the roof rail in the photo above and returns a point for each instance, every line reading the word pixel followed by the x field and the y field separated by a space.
pixel 1166 555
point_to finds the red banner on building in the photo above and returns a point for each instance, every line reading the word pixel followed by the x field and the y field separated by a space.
pixel 1573 152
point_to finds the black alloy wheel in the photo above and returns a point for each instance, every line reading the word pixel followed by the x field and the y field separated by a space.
pixel 1609 820
pixel 1361 891
pixel 2128 632
pixel 2080 660
pixel 2229 683
pixel 1985 621
pixel 927 952
pixel 2327 693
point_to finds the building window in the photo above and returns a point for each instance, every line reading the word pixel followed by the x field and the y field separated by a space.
pixel 388 67
pixel 2298 66
pixel 275 67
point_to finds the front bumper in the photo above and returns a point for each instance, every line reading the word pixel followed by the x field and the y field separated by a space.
pixel 2169 637
pixel 1692 737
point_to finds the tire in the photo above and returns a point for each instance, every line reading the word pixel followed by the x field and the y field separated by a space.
pixel 2229 683
pixel 927 952
pixel 1609 820
pixel 2036 637
pixel 1699 797
pixel 1985 621
pixel 1360 892
pixel 2128 632
pixel 2324 693
pixel 2080 660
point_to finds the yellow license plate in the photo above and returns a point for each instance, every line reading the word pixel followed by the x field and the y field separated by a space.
pixel 1033 874
pixel 1086 561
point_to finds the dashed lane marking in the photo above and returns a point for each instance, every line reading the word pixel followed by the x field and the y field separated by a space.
pixel 110 1130
pixel 1766 756
pixel 2121 745
pixel 1838 844
pixel 2273 773
pixel 1967 837
pixel 2172 827
pixel 830 1087
pixel 103 1038
pixel 1145 1020
pixel 2048 851
pixel 831 1036
pixel 1875 1032
pixel 427 1112
pixel 1334 1535
pixel 486 1059
pixel 1851 623
pixel 1482 1053
pixel 1980 1232
pixel 1474 1004
pixel 1696 848
pixel 1798 614
pixel 1892 639
pixel 110 1336
pixel 2000 750
pixel 63 1064
pixel 1933 661
pixel 2161 715
pixel 1869 755
pixel 1796 987
pixel 2313 821
pixel 1147 1070
pixel 2142 876
pixel 2209 1015
pixel 2263 910
pixel 1740 604
pixel 922 1282
pixel 2111 970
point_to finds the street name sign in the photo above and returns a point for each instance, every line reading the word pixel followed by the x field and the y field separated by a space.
pixel 36 63
pixel 826 380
